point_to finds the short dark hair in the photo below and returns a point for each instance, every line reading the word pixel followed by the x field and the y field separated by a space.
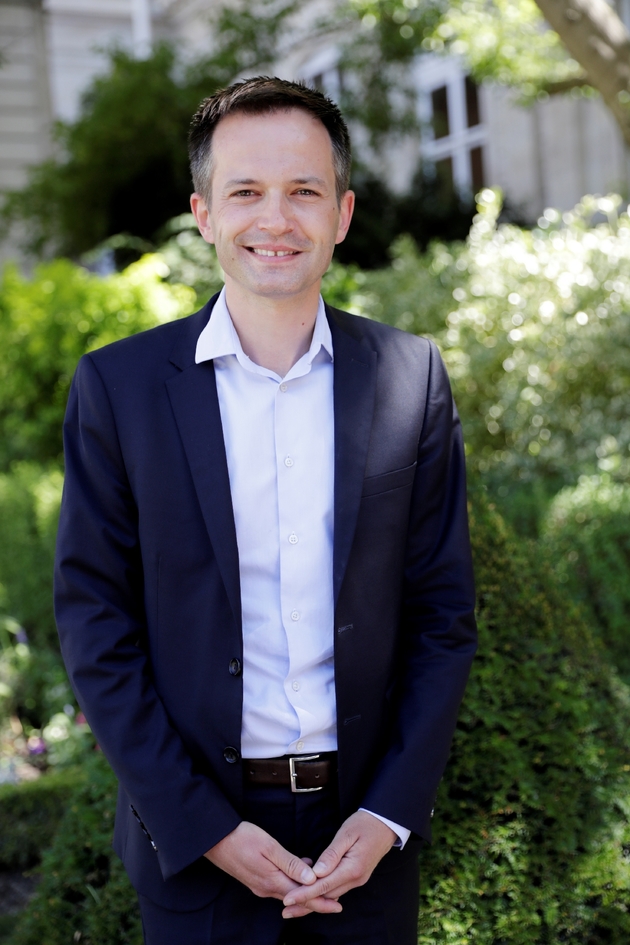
pixel 259 96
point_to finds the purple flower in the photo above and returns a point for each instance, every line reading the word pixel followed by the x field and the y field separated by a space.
pixel 36 746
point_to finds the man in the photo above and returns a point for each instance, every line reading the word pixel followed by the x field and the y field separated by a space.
pixel 264 591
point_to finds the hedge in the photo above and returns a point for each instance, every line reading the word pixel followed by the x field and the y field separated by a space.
pixel 587 531
pixel 84 895
pixel 533 816
pixel 30 814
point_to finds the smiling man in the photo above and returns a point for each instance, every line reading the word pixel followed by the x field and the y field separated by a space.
pixel 263 589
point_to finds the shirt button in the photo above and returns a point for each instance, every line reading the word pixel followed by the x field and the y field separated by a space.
pixel 293 538
pixel 295 615
pixel 299 745
pixel 283 388
pixel 288 461
pixel 295 685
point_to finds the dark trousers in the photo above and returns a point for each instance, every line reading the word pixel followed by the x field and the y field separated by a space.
pixel 383 912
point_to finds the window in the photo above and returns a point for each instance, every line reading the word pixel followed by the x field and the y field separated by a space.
pixel 472 102
pixel 454 135
pixel 439 103
pixel 476 169
pixel 444 176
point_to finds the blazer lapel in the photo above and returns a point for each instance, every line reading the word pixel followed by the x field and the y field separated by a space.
pixel 193 396
pixel 354 393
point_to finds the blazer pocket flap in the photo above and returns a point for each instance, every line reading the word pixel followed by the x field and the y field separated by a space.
pixel 374 485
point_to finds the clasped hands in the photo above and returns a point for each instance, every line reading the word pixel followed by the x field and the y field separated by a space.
pixel 262 864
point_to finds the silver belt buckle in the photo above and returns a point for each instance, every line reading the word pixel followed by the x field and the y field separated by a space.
pixel 301 790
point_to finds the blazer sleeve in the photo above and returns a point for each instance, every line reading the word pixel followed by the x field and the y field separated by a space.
pixel 99 608
pixel 438 629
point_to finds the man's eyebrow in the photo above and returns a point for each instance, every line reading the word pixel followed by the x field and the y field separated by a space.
pixel 239 181
pixel 244 181
pixel 309 180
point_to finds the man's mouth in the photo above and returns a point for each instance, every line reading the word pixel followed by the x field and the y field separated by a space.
pixel 272 252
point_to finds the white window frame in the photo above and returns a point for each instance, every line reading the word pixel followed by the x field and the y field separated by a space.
pixel 434 72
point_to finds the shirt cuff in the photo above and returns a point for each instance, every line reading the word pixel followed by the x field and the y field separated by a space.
pixel 401 832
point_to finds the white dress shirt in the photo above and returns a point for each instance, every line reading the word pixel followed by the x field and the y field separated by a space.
pixel 279 442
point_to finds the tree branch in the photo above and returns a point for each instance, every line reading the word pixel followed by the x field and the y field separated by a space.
pixel 596 38
pixel 565 85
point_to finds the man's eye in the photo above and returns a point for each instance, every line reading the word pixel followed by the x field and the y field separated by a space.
pixel 243 193
pixel 308 193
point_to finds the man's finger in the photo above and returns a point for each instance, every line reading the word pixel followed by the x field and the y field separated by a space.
pixel 331 857
pixel 319 904
pixel 292 866
pixel 330 888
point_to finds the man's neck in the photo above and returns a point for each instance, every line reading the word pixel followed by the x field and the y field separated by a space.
pixel 274 333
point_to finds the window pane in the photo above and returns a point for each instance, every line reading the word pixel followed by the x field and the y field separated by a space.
pixel 476 169
pixel 472 102
pixel 444 175
pixel 439 101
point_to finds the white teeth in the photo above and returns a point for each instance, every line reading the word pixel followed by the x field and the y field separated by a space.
pixel 270 252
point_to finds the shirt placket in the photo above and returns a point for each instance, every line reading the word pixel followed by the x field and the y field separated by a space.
pixel 293 546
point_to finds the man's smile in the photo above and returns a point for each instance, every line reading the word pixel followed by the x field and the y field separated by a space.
pixel 273 252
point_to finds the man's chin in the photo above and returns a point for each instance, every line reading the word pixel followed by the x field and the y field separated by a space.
pixel 275 287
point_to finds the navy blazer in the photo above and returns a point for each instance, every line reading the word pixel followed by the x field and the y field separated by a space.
pixel 148 601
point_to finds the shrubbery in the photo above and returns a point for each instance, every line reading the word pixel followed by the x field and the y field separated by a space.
pixel 532 820
pixel 587 532
pixel 30 814
pixel 84 894
pixel 29 509
pixel 533 327
pixel 48 322
pixel 33 683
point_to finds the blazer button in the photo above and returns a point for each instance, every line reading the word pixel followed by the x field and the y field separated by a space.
pixel 231 755
pixel 235 667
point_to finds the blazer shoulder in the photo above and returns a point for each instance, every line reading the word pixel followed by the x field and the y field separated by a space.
pixel 384 339
pixel 147 348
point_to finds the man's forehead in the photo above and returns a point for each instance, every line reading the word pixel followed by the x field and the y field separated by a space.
pixel 294 123
pixel 291 142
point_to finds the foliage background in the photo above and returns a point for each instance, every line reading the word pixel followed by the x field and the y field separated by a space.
pixel 533 817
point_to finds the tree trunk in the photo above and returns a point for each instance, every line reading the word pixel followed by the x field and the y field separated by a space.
pixel 596 38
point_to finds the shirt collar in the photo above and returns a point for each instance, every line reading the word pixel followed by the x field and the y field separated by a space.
pixel 219 337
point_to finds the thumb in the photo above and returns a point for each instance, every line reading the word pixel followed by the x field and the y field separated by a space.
pixel 330 858
pixel 292 866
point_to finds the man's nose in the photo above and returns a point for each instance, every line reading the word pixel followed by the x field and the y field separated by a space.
pixel 276 216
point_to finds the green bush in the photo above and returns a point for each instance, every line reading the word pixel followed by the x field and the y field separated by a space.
pixel 533 326
pixel 537 346
pixel 30 814
pixel 29 509
pixel 128 146
pixel 532 820
pixel 84 894
pixel 48 321
pixel 587 532
pixel 33 682
pixel 33 685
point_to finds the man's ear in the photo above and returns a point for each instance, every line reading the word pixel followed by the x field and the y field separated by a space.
pixel 346 210
pixel 201 214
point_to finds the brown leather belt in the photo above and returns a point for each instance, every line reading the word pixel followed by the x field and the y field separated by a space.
pixel 302 773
